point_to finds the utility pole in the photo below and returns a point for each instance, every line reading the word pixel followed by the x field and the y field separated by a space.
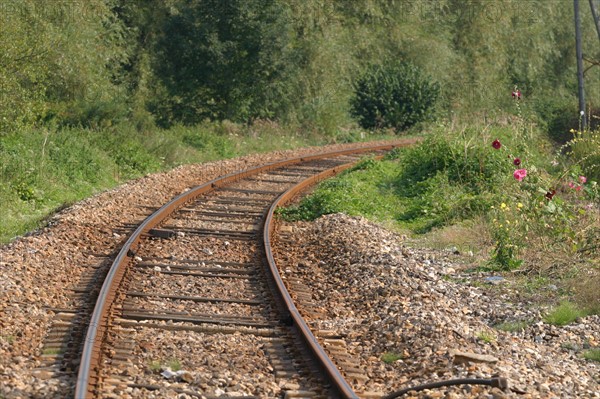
pixel 596 17
pixel 579 65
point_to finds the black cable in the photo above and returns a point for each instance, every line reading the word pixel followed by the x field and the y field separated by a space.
pixel 497 382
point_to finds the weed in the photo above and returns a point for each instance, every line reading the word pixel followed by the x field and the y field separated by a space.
pixel 51 351
pixel 592 354
pixel 155 366
pixel 174 364
pixel 570 346
pixel 486 337
pixel 8 338
pixel 390 357
pixel 565 313
pixel 512 326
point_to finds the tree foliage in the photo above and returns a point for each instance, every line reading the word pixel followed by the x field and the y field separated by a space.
pixel 394 95
pixel 98 62
pixel 224 60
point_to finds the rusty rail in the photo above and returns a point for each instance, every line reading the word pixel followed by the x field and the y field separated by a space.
pixel 343 388
pixel 99 321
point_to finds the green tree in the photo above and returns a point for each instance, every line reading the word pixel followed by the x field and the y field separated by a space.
pixel 394 95
pixel 223 60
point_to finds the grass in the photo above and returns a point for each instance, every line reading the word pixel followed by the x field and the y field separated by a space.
pixel 390 357
pixel 512 326
pixel 569 346
pixel 8 338
pixel 486 337
pixel 174 364
pixel 455 190
pixel 565 313
pixel 42 170
pixel 155 366
pixel 592 354
pixel 367 190
pixel 51 351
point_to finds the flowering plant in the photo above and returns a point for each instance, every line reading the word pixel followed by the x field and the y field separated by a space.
pixel 537 206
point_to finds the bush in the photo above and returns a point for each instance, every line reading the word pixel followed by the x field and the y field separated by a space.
pixel 396 96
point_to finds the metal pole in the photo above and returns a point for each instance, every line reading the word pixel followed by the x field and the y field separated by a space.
pixel 579 65
pixel 596 17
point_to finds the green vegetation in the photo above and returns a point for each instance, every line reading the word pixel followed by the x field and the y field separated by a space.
pixel 564 313
pixel 486 337
pixel 354 192
pixel 157 365
pixel 52 351
pixel 394 95
pixel 592 354
pixel 174 364
pixel 8 338
pixel 512 326
pixel 462 183
pixel 154 366
pixel 43 170
pixel 94 93
pixel 390 357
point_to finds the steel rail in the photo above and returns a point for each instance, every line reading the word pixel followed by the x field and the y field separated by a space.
pixel 341 385
pixel 90 358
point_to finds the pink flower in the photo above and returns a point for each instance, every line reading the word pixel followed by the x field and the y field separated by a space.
pixel 516 162
pixel 578 188
pixel 520 174
pixel 571 184
pixel 582 179
pixel 496 144
pixel 516 94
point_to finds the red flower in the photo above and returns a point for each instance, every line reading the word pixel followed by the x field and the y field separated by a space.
pixel 517 162
pixel 550 193
pixel 496 144
pixel 516 94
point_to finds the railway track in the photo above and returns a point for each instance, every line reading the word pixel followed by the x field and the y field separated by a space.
pixel 193 305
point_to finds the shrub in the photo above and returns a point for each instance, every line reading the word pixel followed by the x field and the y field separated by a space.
pixel 396 96
pixel 560 116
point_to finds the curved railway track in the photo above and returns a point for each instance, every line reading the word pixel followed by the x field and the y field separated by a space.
pixel 193 303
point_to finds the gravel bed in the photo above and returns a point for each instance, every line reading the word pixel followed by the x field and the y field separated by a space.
pixel 207 249
pixel 193 286
pixel 387 299
pixel 39 271
pixel 190 307
pixel 157 355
